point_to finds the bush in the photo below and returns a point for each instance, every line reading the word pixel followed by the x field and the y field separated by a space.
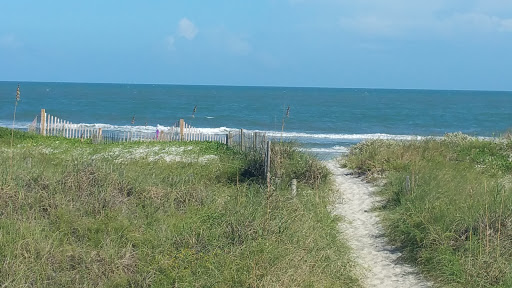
pixel 455 219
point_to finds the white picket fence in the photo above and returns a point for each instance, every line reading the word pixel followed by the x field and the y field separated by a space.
pixel 54 126
pixel 239 139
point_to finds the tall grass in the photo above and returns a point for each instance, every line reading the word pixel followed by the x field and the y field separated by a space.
pixel 14 121
pixel 80 214
pixel 456 220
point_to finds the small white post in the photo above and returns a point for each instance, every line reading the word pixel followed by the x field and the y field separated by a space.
pixel 294 187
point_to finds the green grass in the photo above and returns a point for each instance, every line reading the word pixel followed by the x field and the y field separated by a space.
pixel 455 221
pixel 81 214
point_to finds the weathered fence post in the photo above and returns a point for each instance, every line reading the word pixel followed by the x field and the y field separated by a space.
pixel 182 126
pixel 267 162
pixel 50 122
pixel 100 136
pixel 43 122
pixel 241 139
pixel 294 187
pixel 254 137
pixel 53 119
pixel 47 125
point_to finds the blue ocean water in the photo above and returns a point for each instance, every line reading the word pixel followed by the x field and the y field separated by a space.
pixel 325 120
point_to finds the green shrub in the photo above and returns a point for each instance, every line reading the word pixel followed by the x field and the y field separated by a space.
pixel 454 218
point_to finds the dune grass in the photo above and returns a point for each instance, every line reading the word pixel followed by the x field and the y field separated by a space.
pixel 454 219
pixel 92 215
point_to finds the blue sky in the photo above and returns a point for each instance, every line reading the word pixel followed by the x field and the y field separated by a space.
pixel 328 43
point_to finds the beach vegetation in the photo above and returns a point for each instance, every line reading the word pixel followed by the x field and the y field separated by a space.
pixel 447 203
pixel 164 214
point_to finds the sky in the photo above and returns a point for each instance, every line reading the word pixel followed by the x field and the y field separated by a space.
pixel 404 44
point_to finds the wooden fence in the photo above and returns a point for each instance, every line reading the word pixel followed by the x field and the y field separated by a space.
pixel 54 126
pixel 246 141
pixel 180 131
pixel 51 125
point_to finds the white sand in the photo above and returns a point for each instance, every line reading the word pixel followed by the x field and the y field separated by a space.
pixel 155 153
pixel 365 235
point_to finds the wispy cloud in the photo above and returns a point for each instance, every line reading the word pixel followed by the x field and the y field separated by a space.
pixel 239 45
pixel 371 25
pixel 414 19
pixel 187 29
pixel 170 42
pixel 10 41
pixel 480 22
pixel 229 41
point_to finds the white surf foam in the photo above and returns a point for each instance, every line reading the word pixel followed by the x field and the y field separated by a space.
pixel 223 130
pixel 17 125
pixel 335 149
pixel 339 136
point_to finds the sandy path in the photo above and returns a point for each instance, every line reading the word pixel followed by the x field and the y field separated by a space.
pixel 364 234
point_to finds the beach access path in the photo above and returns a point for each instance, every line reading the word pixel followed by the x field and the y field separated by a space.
pixel 365 235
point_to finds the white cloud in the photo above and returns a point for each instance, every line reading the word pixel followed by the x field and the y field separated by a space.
pixel 187 29
pixel 400 17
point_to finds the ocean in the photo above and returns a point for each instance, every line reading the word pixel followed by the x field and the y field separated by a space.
pixel 326 121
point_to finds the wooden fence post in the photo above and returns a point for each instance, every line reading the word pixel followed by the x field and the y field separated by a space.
pixel 53 125
pixel 50 121
pixel 99 135
pixel 241 139
pixel 254 137
pixel 294 187
pixel 182 124
pixel 267 162
pixel 43 122
pixel 264 141
pixel 48 124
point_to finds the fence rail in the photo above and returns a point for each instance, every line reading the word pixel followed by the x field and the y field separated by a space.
pixel 51 125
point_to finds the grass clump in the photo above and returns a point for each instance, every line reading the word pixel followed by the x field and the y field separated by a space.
pixel 93 215
pixel 453 216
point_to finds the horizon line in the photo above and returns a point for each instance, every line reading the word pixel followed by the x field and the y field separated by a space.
pixel 260 86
